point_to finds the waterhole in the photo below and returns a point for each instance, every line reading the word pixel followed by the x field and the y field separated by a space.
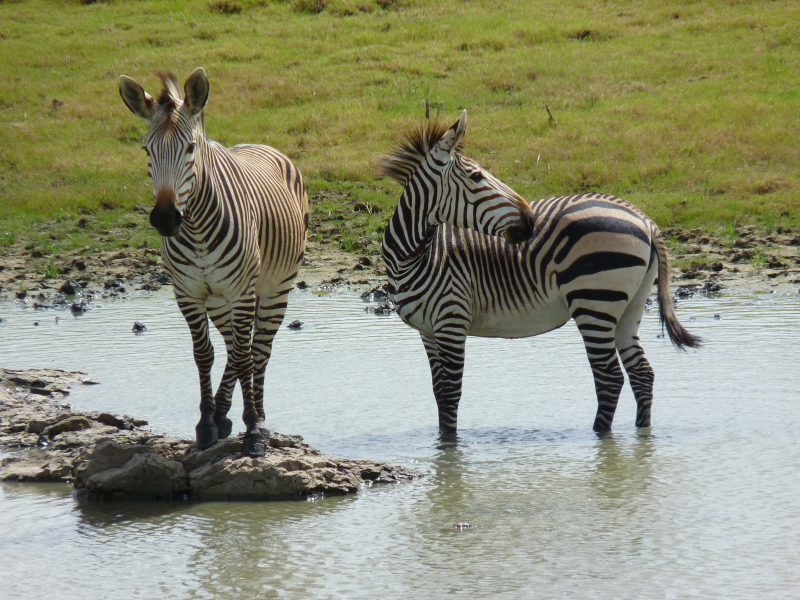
pixel 528 503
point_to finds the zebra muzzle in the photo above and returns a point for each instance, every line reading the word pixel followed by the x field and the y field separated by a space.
pixel 166 218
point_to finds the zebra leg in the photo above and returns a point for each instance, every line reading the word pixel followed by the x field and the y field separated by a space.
pixel 640 373
pixel 241 361
pixel 220 314
pixel 598 338
pixel 446 357
pixel 641 376
pixel 194 311
pixel 269 316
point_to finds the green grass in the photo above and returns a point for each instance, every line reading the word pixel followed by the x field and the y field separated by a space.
pixel 687 109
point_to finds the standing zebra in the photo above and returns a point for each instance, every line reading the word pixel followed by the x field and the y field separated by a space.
pixel 593 258
pixel 234 223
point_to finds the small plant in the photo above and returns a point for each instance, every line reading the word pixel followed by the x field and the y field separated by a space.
pixel 757 260
pixel 49 271
pixel 7 239
pixel 348 241
pixel 769 223
pixel 732 231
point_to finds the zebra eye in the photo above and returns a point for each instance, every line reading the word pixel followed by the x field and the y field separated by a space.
pixel 190 148
pixel 476 176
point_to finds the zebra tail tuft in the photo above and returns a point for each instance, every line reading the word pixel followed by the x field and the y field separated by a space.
pixel 678 335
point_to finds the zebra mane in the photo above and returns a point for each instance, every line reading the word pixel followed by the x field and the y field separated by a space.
pixel 414 146
pixel 171 93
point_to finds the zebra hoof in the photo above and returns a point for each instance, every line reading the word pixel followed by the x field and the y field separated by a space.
pixel 224 427
pixel 206 435
pixel 255 444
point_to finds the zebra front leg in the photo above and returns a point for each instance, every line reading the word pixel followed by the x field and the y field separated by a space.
pixel 241 361
pixel 220 314
pixel 446 358
pixel 194 311
pixel 598 338
pixel 269 316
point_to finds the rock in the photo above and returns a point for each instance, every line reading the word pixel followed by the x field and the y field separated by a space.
pixel 35 468
pixel 76 423
pixel 138 327
pixel 295 325
pixel 130 471
pixel 21 294
pixel 80 307
pixel 69 288
pixel 376 294
pixel 109 456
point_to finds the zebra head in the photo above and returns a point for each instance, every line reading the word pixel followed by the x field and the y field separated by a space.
pixel 444 186
pixel 471 197
pixel 176 127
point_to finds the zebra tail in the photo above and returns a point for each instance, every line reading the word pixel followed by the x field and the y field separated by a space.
pixel 678 335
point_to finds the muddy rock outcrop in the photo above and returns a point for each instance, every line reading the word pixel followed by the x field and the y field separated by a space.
pixel 112 457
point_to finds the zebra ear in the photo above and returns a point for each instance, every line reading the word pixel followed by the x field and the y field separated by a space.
pixel 453 136
pixel 135 98
pixel 196 91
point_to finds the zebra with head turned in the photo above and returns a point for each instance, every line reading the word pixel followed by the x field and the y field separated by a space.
pixel 593 258
pixel 233 223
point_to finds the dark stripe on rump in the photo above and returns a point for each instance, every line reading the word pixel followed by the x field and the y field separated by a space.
pixel 597 296
pixel 597 262
pixel 586 312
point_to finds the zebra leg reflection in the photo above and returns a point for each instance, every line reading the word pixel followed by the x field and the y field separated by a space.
pixel 446 358
pixel 194 311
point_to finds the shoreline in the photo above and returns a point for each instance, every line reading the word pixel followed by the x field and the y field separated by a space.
pixel 107 456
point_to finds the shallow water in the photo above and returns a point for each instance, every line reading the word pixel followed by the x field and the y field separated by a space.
pixel 707 504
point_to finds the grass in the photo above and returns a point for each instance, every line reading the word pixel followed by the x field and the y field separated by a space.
pixel 687 110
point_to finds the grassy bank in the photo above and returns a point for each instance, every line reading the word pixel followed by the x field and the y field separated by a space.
pixel 688 109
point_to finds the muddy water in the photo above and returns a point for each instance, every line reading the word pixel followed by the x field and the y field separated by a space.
pixel 707 504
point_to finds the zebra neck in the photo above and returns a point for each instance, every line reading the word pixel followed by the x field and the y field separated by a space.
pixel 204 205
pixel 407 238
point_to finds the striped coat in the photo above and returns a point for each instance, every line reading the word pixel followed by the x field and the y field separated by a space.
pixel 234 223
pixel 593 258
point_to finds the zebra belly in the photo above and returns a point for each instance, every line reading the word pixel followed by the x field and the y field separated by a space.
pixel 520 324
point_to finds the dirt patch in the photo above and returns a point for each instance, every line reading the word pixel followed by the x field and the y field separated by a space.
pixel 746 260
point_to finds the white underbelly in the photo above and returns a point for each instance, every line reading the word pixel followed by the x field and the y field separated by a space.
pixel 520 324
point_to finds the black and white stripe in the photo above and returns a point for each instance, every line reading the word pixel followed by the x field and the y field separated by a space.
pixel 234 223
pixel 593 258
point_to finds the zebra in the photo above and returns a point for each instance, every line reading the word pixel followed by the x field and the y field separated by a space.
pixel 233 223
pixel 589 257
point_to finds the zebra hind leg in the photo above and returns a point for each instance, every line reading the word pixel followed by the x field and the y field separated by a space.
pixel 269 316
pixel 640 373
pixel 241 360
pixel 598 338
pixel 446 359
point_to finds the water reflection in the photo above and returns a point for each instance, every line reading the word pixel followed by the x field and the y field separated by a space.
pixel 623 469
